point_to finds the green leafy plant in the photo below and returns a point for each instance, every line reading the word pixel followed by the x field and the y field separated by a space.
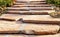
pixel 54 2
pixel 4 4
pixel 9 2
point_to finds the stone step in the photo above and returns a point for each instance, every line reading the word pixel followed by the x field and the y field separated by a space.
pixel 27 28
pixel 10 17
pixel 30 0
pixel 28 12
pixel 38 2
pixel 31 11
pixel 46 19
pixel 31 18
pixel 19 35
pixel 32 5
pixel 29 8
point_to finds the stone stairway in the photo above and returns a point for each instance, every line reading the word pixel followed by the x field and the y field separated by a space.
pixel 34 7
pixel 29 19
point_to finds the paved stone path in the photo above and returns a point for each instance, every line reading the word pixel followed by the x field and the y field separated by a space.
pixel 24 15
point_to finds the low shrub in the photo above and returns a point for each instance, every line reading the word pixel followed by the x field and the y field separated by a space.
pixel 54 2
pixel 4 4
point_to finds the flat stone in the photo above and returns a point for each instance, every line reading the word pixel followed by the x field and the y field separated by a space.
pixel 41 19
pixel 30 0
pixel 39 28
pixel 30 8
pixel 41 5
pixel 28 12
pixel 9 27
pixel 11 17
pixel 12 35
pixel 27 28
pixel 15 35
pixel 13 11
pixel 32 5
